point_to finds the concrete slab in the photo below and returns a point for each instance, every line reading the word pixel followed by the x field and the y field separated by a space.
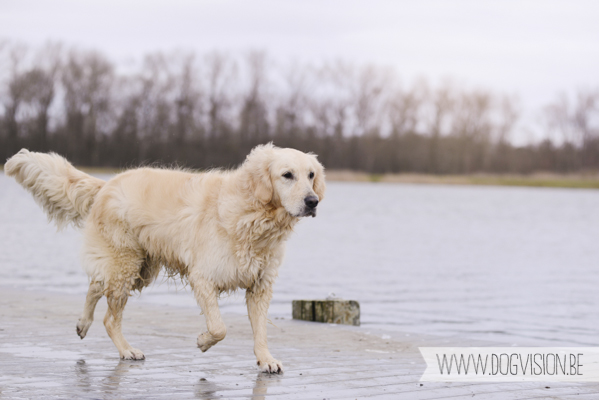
pixel 42 357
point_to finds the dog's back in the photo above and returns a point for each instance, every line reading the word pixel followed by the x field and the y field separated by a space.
pixel 157 209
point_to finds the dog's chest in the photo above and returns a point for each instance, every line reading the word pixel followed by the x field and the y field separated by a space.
pixel 259 251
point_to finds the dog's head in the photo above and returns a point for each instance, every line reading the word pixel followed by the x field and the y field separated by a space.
pixel 286 178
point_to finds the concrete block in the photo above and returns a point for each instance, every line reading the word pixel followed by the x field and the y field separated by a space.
pixel 335 311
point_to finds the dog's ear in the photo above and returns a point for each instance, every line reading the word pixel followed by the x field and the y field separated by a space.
pixel 319 185
pixel 258 164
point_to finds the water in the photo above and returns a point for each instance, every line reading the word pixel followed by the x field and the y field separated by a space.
pixel 514 265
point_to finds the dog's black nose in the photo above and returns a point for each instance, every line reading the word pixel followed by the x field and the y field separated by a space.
pixel 311 201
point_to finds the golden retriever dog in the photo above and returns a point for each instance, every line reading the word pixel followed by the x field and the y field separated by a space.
pixel 221 230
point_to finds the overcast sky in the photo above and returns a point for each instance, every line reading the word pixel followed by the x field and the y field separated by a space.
pixel 533 49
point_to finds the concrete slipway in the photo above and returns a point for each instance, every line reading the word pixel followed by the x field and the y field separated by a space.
pixel 42 357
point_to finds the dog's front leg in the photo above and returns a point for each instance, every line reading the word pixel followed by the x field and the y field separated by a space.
pixel 258 300
pixel 207 297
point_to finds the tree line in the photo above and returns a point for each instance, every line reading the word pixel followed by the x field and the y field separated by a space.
pixel 210 110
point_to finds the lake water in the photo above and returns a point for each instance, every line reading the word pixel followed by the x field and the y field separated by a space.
pixel 514 265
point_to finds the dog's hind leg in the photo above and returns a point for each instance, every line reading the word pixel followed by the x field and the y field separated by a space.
pixel 115 259
pixel 94 294
pixel 113 321
pixel 207 297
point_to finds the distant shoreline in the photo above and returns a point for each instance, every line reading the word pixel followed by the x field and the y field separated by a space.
pixel 588 180
pixel 537 179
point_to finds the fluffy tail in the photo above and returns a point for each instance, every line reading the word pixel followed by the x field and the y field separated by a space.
pixel 64 193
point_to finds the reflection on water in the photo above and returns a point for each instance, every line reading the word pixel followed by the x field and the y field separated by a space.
pixel 89 380
pixel 206 389
pixel 118 374
pixel 130 377
pixel 82 374
pixel 517 265
pixel 262 383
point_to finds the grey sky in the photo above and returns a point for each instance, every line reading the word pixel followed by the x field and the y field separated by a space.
pixel 533 49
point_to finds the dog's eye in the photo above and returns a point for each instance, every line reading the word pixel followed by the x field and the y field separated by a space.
pixel 311 175
pixel 288 175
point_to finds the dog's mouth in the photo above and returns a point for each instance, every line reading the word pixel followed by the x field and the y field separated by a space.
pixel 308 212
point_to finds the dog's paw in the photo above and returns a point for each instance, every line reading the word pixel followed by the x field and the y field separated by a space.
pixel 83 327
pixel 270 366
pixel 133 354
pixel 206 341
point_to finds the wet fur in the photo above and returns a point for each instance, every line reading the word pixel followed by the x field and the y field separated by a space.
pixel 220 230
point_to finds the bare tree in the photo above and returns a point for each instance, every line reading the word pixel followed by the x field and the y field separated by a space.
pixel 87 80
pixel 576 125
pixel 437 123
pixel 222 74
pixel 507 117
pixel 254 126
pixel 471 126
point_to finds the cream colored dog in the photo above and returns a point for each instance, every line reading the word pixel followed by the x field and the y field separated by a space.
pixel 222 230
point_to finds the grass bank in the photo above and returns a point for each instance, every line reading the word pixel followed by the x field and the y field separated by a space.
pixel 540 179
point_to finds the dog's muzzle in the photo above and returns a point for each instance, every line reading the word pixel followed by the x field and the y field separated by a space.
pixel 310 209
